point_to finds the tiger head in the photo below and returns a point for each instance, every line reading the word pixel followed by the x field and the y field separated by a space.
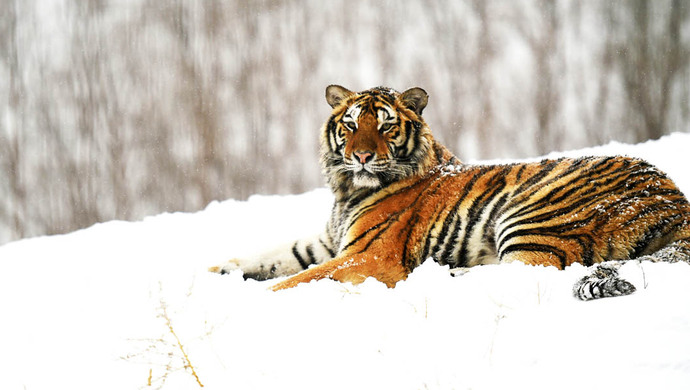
pixel 375 137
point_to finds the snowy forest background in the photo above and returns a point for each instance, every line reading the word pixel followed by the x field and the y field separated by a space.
pixel 117 109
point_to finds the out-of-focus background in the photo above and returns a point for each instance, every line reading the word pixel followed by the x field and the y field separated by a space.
pixel 117 109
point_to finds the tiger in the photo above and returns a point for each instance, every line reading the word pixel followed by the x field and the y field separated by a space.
pixel 401 197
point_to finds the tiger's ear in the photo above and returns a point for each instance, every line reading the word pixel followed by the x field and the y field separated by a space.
pixel 336 94
pixel 415 99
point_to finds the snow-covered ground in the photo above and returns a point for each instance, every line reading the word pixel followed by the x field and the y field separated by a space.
pixel 130 305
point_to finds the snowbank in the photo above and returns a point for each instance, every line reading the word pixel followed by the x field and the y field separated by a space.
pixel 130 305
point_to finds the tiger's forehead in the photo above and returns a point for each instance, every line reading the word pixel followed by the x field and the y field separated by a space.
pixel 380 108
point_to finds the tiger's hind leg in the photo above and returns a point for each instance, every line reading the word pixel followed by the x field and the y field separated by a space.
pixel 672 253
pixel 604 281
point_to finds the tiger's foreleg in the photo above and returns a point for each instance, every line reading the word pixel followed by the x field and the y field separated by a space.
pixel 283 260
pixel 351 268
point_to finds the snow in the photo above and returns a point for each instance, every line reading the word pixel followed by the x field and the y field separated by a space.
pixel 122 305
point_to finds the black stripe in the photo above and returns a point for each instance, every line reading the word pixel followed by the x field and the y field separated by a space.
pixel 299 258
pixel 529 247
pixel 452 218
pixel 429 235
pixel 446 255
pixel 609 250
pixel 355 199
pixel 331 128
pixel 329 231
pixel 586 243
pixel 310 254
pixel 328 249
pixel 453 215
pixel 412 136
pixel 494 187
pixel 606 162
pixel 417 139
pixel 407 262
pixel 490 221
pixel 518 175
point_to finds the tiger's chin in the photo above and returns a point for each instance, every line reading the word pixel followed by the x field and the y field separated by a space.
pixel 366 179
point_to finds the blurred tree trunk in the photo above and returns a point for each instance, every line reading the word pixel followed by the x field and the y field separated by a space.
pixel 543 39
pixel 13 143
pixel 454 111
pixel 594 112
pixel 485 52
pixel 651 55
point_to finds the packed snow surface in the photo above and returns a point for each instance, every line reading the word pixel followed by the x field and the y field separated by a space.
pixel 130 305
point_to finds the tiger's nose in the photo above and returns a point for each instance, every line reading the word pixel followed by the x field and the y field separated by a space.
pixel 364 157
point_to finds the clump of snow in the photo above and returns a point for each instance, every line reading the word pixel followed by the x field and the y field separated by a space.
pixel 126 305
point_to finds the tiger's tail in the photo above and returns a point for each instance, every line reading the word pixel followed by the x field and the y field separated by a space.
pixel 604 281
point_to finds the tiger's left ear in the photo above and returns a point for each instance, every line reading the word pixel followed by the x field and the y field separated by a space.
pixel 415 99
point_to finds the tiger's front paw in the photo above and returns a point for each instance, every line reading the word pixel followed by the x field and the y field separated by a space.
pixel 459 271
pixel 231 265
pixel 254 269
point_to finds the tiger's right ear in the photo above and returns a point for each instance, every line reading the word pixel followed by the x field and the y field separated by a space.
pixel 336 94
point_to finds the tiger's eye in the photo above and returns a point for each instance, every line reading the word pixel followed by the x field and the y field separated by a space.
pixel 350 126
pixel 386 126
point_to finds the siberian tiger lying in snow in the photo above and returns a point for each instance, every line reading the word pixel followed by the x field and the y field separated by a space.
pixel 401 197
